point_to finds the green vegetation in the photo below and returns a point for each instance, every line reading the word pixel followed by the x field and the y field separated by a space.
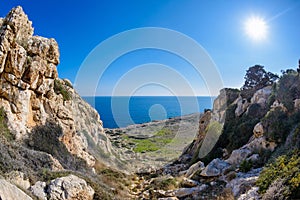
pixel 256 78
pixel 62 89
pixel 246 166
pixel 286 169
pixel 165 183
pixel 277 125
pixel 4 131
pixel 287 89
pixel 160 138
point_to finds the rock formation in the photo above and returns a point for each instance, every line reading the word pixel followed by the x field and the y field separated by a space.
pixel 31 92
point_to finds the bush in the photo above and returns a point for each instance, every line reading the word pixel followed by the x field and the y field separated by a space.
pixel 246 166
pixel 62 89
pixel 285 169
pixel 3 126
pixel 277 125
pixel 288 89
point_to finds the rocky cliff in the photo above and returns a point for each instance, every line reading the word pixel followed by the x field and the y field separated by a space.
pixel 236 139
pixel 32 94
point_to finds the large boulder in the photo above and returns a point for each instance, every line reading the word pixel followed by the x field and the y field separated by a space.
pixel 261 96
pixel 198 166
pixel 243 182
pixel 242 105
pixel 9 191
pixel 258 130
pixel 215 168
pixel 254 145
pixel 69 188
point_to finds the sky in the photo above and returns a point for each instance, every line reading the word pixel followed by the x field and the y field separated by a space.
pixel 83 28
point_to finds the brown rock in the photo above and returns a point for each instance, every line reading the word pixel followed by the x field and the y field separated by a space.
pixel 45 48
pixel 15 61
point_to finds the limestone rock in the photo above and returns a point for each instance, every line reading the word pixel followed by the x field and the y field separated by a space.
pixel 168 198
pixel 194 168
pixel 9 191
pixel 215 168
pixel 277 104
pixel 196 144
pixel 45 48
pixel 252 194
pixel 243 182
pixel 15 61
pixel 246 151
pixel 183 192
pixel 242 105
pixel 261 96
pixel 38 190
pixel 70 187
pixel 18 179
pixel 21 26
pixel 238 155
pixel 29 96
pixel 258 130
pixel 189 183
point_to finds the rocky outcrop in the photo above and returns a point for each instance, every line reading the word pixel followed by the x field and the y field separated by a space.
pixel 243 182
pixel 68 188
pixel 18 179
pixel 31 92
pixel 215 168
pixel 258 130
pixel 255 145
pixel 9 191
pixel 64 188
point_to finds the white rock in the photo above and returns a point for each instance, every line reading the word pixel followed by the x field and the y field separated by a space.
pixel 68 188
pixel 215 168
pixel 9 191
pixel 38 190
pixel 18 178
pixel 194 168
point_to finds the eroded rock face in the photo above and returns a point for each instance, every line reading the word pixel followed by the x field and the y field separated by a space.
pixel 68 188
pixel 31 93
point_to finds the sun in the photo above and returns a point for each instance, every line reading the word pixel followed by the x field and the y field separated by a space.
pixel 256 28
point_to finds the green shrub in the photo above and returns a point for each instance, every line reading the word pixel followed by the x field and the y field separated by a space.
pixel 288 89
pixel 165 183
pixel 62 89
pixel 246 166
pixel 285 168
pixel 3 126
pixel 277 125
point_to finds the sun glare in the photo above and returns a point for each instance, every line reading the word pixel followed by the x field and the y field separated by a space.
pixel 256 28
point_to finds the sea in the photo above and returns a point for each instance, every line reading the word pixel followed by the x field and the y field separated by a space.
pixel 122 111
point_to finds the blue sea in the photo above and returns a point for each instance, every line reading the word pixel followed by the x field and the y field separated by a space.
pixel 122 111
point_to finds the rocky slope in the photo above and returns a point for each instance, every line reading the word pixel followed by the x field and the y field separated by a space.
pixel 228 158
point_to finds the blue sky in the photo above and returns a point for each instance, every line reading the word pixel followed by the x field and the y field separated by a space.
pixel 218 26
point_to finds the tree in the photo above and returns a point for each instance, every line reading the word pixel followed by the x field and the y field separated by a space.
pixel 257 77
